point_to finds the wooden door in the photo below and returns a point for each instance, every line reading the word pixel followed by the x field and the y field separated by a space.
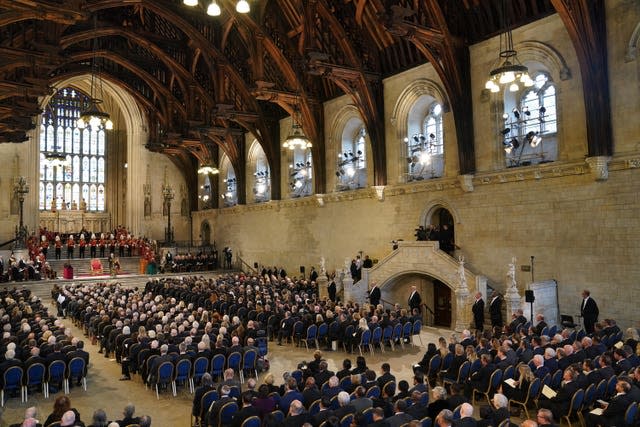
pixel 442 302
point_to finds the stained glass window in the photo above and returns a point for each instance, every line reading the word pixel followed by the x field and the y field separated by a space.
pixel 83 152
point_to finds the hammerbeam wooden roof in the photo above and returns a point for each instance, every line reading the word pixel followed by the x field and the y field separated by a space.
pixel 203 81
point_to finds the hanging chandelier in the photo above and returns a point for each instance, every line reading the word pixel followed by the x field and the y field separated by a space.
pixel 242 6
pixel 296 138
pixel 208 170
pixel 508 71
pixel 92 115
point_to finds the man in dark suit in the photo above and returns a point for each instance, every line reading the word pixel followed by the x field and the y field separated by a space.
pixel 495 310
pixel 374 294
pixel 466 417
pixel 559 404
pixel 414 300
pixel 217 406
pixel 478 312
pixel 400 417
pixel 297 415
pixel 589 311
pixel 324 413
pixel 286 327
pixel 416 410
pixel 480 379
pixel 247 410
pixel 331 288
pixel 614 411
pixel 540 325
pixel 386 376
pixel 378 418
pixel 606 371
pixel 622 365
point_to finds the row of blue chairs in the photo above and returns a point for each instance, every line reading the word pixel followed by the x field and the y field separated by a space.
pixel 58 372
pixel 315 335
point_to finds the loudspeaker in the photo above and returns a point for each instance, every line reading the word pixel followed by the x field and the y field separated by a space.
pixel 302 269
pixel 255 265
pixel 529 296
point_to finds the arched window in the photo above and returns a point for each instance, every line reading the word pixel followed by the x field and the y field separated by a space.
pixel 70 156
pixel 351 170
pixel 301 173
pixel 531 124
pixel 261 174
pixel 425 150
pixel 230 194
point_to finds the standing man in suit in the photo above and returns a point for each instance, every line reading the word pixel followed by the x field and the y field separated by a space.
pixel 374 294
pixel 589 311
pixel 495 310
pixel 332 289
pixel 414 300
pixel 478 312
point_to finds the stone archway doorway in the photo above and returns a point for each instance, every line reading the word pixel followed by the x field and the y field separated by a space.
pixel 442 222
pixel 436 296
pixel 205 233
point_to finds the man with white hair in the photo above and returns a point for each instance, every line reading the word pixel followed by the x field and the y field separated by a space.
pixel 68 419
pixel 345 406
pixel 10 361
pixel 540 371
pixel 466 416
pixel 497 413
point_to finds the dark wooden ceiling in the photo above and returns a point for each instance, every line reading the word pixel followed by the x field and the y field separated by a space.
pixel 202 81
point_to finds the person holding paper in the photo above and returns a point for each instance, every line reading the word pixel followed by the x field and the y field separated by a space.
pixel 517 390
pixel 612 413
pixel 559 404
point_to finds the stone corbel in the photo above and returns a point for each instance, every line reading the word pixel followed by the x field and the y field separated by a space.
pixel 320 200
pixel 599 166
pixel 379 192
pixel 466 182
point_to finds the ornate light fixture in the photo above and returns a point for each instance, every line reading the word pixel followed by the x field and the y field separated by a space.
pixel 507 70
pixel 92 115
pixel 296 139
pixel 242 6
pixel 208 170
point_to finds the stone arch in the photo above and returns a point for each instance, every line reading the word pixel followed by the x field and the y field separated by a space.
pixel 536 51
pixel 433 207
pixel 409 97
pixel 253 154
pixel 633 46
pixel 205 233
pixel 136 128
pixel 347 116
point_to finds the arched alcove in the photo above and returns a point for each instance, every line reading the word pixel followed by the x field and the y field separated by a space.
pixel 205 233
pixel 437 297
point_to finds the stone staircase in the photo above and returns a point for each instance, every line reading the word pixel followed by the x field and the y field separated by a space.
pixel 82 266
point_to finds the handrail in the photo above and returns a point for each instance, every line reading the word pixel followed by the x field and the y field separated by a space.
pixel 7 242
pixel 428 311
pixel 242 262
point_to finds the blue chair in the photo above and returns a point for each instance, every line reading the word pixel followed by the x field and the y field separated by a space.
pixel 345 383
pixel 298 375
pixel 611 386
pixel 253 421
pixel 263 346
pixel 407 330
pixel 346 420
pixel 396 336
pixel 234 362
pixel 417 328
pixel 556 379
pixel 463 374
pixel 228 410
pixel 314 408
pixel 494 382
pixel 373 392
pixel 456 412
pixel 553 330
pixel 56 375
pixel 249 364
pixel 365 341
pixel 278 416
pixel 205 403
pixel 368 416
pixel 532 394
pixel 234 392
pixel 323 333
pixel 630 414
pixel 589 396
pixel 376 339
pixel 424 398
pixel 164 376
pixel 200 366
pixel 426 422
pixel 446 362
pixel 312 336
pixel 297 332
pixel 601 390
pixel 475 366
pixel 12 381
pixel 182 374
pixel 387 333
pixel 508 372
pixel 34 377
pixel 434 367
pixel 574 407
pixel 76 369
pixel 217 366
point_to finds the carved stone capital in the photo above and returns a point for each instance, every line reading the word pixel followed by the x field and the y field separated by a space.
pixel 599 167
pixel 379 192
pixel 466 182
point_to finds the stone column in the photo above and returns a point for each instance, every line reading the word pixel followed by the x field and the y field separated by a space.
pixel 462 295
pixel 323 282
pixel 347 285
